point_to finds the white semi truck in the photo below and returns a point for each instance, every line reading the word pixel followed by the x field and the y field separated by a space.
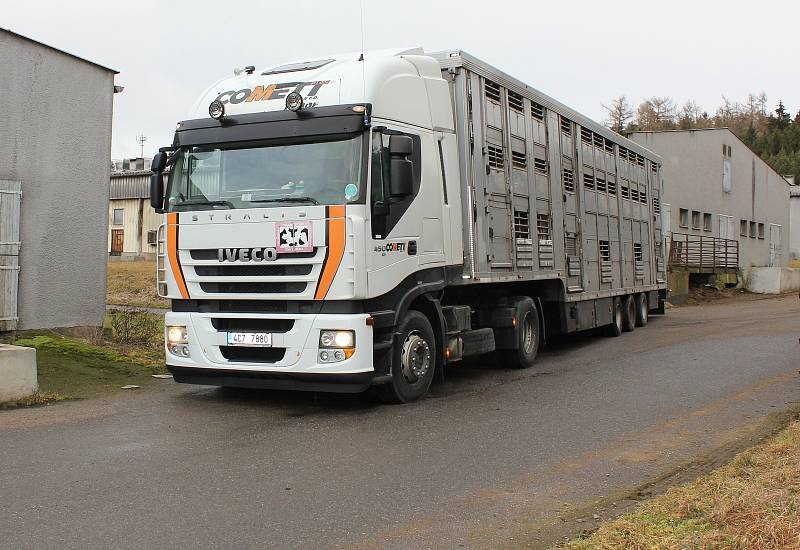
pixel 364 220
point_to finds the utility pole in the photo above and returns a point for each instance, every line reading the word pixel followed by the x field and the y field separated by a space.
pixel 141 138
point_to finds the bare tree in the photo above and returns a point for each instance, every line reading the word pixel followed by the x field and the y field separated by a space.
pixel 656 113
pixel 619 114
pixel 690 115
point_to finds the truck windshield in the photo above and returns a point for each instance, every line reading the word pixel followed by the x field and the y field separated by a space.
pixel 268 175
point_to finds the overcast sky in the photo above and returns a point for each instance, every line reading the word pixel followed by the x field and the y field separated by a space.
pixel 583 53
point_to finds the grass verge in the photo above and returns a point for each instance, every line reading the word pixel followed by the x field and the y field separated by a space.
pixel 752 502
pixel 133 284
pixel 71 368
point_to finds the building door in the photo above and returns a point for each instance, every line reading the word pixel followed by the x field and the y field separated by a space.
pixel 775 256
pixel 10 196
pixel 727 230
pixel 117 241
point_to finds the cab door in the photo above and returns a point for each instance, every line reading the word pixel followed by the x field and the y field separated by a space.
pixel 406 225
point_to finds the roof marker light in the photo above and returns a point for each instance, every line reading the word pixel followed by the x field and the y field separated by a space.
pixel 294 101
pixel 216 110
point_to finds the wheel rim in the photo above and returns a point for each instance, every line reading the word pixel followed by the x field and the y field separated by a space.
pixel 415 359
pixel 618 315
pixel 644 310
pixel 528 335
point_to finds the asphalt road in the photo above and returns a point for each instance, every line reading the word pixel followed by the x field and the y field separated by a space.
pixel 494 458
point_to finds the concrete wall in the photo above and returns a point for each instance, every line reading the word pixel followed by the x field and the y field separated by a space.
pixel 55 131
pixel 773 280
pixel 693 179
pixel 794 223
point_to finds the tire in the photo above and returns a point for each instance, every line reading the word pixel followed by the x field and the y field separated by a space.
pixel 642 310
pixel 628 313
pixel 413 360
pixel 615 328
pixel 528 336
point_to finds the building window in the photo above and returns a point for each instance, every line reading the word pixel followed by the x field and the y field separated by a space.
pixel 706 221
pixel 683 220
pixel 753 232
pixel 695 219
pixel 118 216
pixel 743 228
pixel 761 231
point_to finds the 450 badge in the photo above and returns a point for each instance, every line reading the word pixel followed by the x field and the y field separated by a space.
pixel 390 247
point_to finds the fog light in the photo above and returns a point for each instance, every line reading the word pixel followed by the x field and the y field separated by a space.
pixel 216 110
pixel 294 101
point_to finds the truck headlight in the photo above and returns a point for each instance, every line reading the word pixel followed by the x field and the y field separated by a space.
pixel 336 345
pixel 178 340
pixel 177 334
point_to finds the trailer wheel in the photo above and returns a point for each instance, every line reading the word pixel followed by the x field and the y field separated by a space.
pixel 642 310
pixel 615 328
pixel 528 335
pixel 628 313
pixel 413 360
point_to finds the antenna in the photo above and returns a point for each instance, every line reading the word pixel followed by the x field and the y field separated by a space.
pixel 363 69
pixel 141 139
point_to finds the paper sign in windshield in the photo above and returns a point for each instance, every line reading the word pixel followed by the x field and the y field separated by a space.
pixel 293 237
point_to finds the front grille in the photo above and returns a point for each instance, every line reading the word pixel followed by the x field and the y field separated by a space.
pixel 252 355
pixel 253 288
pixel 256 270
pixel 213 254
pixel 252 325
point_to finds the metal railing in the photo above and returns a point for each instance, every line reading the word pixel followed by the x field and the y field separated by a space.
pixel 702 252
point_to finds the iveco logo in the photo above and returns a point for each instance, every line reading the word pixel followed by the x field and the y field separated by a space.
pixel 247 254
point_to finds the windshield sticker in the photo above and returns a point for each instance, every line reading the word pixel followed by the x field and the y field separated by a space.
pixel 272 91
pixel 293 237
pixel 247 197
pixel 350 191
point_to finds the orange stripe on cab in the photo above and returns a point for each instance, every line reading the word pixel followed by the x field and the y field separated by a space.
pixel 172 253
pixel 335 238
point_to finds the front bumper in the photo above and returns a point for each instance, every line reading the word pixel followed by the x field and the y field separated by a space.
pixel 291 361
pixel 341 383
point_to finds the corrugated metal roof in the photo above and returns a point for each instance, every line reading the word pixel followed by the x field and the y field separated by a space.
pixel 130 185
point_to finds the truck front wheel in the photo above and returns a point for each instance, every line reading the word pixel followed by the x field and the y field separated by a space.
pixel 413 359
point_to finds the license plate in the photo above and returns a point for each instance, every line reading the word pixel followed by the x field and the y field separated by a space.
pixel 255 339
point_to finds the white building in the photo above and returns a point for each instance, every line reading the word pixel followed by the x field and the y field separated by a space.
pixel 132 223
pixel 715 186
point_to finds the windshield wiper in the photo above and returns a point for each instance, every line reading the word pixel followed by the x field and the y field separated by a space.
pixel 312 200
pixel 204 202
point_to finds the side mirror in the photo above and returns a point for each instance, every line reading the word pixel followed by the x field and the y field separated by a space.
pixel 157 191
pixel 159 162
pixel 401 169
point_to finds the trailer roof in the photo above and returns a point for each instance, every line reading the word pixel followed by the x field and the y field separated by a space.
pixel 458 58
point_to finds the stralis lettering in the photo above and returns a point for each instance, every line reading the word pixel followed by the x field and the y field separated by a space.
pixel 247 254
pixel 272 91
